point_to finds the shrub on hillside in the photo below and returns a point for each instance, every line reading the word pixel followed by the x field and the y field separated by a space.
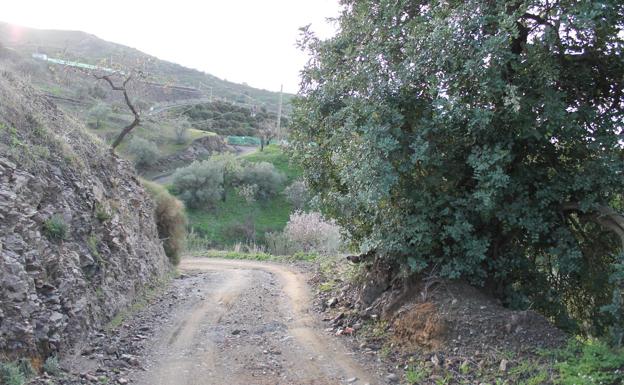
pixel 10 374
pixel 265 176
pixel 99 113
pixel 199 184
pixel 181 130
pixel 170 220
pixel 306 232
pixel 144 151
pixel 231 168
pixel 297 194
pixel 55 228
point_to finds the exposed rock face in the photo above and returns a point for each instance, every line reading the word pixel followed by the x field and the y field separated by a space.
pixel 61 278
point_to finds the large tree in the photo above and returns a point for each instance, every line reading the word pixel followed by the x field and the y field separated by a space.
pixel 480 137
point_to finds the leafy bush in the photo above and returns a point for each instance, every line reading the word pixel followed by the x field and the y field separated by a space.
pixel 199 184
pixel 51 366
pixel 306 232
pixel 55 228
pixel 25 367
pixel 248 192
pixel 170 220
pixel 101 213
pixel 592 363
pixel 10 374
pixel 231 169
pixel 297 194
pixel 99 113
pixel 264 175
pixel 145 152
pixel 482 139
pixel 180 129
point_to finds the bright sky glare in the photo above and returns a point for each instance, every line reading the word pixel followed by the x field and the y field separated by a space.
pixel 250 41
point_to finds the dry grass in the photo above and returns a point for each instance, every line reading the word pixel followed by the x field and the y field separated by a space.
pixel 170 220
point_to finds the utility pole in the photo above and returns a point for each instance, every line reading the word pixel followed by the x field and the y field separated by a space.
pixel 279 114
pixel 206 85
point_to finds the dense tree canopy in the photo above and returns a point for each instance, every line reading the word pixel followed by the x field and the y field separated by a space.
pixel 482 139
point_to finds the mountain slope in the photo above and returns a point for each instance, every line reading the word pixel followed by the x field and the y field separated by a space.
pixel 89 49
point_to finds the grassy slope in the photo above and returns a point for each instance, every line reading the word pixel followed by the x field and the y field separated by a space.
pixel 268 216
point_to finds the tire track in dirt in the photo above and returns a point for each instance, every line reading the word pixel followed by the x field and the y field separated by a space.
pixel 253 325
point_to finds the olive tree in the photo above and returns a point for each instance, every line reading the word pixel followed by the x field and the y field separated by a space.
pixel 482 137
pixel 199 184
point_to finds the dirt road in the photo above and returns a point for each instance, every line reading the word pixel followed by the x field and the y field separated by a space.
pixel 250 323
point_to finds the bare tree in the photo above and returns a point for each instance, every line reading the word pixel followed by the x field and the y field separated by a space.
pixel 137 116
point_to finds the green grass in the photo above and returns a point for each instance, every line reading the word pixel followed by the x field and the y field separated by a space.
pixel 266 216
pixel 591 363
pixel 230 254
pixel 254 256
pixel 276 156
pixel 10 374
pixel 580 363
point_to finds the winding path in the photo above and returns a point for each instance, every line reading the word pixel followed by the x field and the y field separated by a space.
pixel 253 325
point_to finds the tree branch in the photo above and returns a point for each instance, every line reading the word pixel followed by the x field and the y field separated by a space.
pixel 605 216
pixel 538 19
pixel 137 116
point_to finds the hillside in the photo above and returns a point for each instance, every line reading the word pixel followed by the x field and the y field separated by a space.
pixel 78 239
pixel 86 48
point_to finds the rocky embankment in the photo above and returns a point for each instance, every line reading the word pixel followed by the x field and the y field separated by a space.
pixel 78 241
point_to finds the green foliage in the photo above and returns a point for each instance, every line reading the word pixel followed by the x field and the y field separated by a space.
pixel 243 140
pixel 99 113
pixel 181 129
pixel 92 244
pixel 231 254
pixel 144 152
pixel 199 185
pixel 101 213
pixel 231 171
pixel 170 220
pixel 592 363
pixel 477 137
pixel 229 119
pixel 265 176
pixel 10 374
pixel 615 309
pixel 216 224
pixel 26 368
pixel 277 157
pixel 215 227
pixel 416 375
pixel 55 228
pixel 51 366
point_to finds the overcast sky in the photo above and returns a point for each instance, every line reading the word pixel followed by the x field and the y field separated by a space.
pixel 250 41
